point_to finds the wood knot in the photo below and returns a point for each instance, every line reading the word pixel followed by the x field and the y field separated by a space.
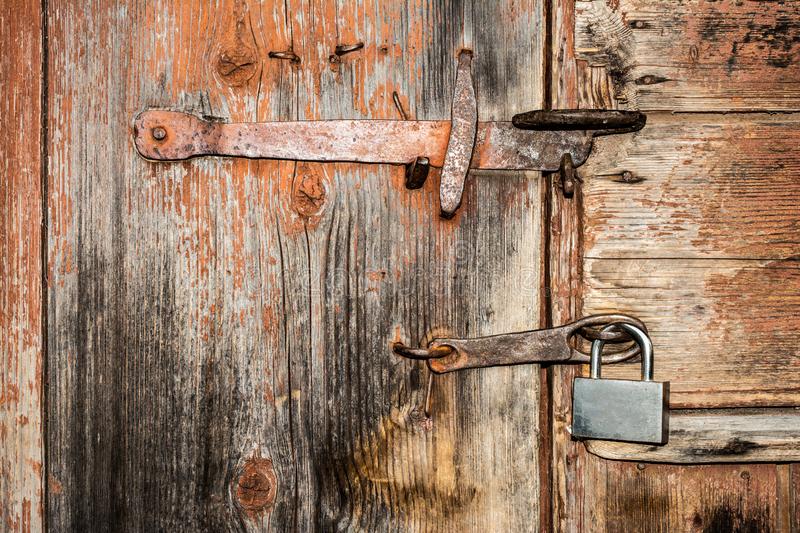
pixel 308 194
pixel 256 487
pixel 237 65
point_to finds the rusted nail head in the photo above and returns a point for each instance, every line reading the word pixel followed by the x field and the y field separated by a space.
pixel 159 133
pixel 287 55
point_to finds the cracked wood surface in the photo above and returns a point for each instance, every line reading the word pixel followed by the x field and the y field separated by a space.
pixel 690 55
pixel 21 344
pixel 219 330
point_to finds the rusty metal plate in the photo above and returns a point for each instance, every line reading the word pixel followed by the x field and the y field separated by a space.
pixel 172 136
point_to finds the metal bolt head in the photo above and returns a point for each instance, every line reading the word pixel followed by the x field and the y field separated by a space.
pixel 159 133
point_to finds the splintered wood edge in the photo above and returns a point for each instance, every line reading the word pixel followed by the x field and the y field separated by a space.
pixel 717 436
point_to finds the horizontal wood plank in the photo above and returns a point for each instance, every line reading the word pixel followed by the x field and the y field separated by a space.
pixel 724 331
pixel 696 186
pixel 717 436
pixel 695 55
pixel 637 496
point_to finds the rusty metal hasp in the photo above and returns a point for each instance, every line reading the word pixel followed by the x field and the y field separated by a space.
pixel 551 345
pixel 539 140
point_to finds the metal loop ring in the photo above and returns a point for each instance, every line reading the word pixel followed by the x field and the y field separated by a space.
pixel 583 325
pixel 614 335
pixel 422 354
pixel 642 340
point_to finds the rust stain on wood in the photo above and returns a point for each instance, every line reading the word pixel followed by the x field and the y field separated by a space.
pixel 309 190
pixel 237 60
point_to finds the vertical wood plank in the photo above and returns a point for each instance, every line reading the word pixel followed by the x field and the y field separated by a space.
pixel 21 345
pixel 220 330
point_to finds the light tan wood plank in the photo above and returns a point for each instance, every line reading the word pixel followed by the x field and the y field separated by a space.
pixel 717 436
pixel 699 55
pixel 595 494
pixel 21 343
pixel 705 186
pixel 723 330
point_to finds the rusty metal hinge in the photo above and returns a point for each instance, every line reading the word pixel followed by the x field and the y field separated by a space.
pixel 547 141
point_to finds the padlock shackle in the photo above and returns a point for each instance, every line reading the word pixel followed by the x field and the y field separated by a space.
pixel 641 339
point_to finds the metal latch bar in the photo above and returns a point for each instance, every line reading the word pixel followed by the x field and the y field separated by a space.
pixel 540 140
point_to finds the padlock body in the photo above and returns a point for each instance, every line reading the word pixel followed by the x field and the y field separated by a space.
pixel 617 409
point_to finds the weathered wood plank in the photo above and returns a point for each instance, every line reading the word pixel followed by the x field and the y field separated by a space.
pixel 717 436
pixel 705 186
pixel 697 55
pixel 704 248
pixel 214 322
pixel 724 331
pixel 21 344
pixel 793 506
pixel 702 498
pixel 697 186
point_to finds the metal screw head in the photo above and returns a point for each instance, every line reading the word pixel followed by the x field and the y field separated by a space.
pixel 159 133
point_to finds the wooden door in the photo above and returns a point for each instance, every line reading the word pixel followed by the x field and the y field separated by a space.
pixel 692 225
pixel 205 346
pixel 219 330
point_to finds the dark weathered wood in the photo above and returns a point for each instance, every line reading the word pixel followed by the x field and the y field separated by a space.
pixel 793 499
pixel 21 346
pixel 215 321
pixel 698 55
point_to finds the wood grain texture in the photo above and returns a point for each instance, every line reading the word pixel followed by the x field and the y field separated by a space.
pixel 724 330
pixel 591 493
pixel 704 249
pixel 696 55
pixel 793 500
pixel 21 345
pixel 706 186
pixel 217 322
pixel 717 436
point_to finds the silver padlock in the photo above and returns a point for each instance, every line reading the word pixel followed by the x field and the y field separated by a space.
pixel 621 409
